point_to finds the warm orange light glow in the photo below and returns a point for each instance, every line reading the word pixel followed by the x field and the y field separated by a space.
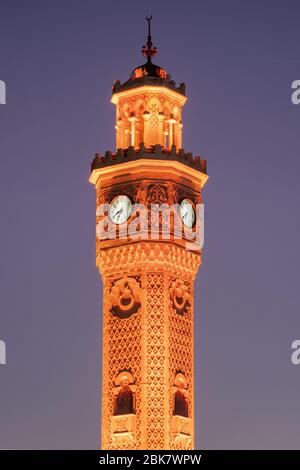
pixel 153 107
pixel 148 369
pixel 148 312
pixel 162 73
pixel 139 73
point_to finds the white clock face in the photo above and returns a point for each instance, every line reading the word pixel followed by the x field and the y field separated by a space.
pixel 120 209
pixel 187 213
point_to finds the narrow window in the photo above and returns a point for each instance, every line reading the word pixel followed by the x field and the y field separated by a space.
pixel 124 401
pixel 180 405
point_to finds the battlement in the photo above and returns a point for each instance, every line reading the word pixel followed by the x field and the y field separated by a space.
pixel 155 152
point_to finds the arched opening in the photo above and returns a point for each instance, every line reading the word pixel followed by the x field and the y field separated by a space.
pixel 124 401
pixel 180 404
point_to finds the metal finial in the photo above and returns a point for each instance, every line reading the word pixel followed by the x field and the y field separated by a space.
pixel 150 50
pixel 149 18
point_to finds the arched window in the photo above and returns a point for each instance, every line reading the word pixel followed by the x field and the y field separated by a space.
pixel 180 404
pixel 124 401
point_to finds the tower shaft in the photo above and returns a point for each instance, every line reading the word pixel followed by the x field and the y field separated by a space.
pixel 155 345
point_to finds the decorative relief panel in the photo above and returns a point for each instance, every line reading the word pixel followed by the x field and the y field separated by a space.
pixel 181 425
pixel 156 339
pixel 156 356
pixel 106 195
pixel 123 424
pixel 122 352
pixel 157 194
pixel 142 191
pixel 125 297
pixel 180 296
pixel 181 357
pixel 145 256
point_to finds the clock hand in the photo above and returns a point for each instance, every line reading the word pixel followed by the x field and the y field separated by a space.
pixel 118 213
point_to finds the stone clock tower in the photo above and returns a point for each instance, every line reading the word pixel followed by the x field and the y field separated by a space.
pixel 148 256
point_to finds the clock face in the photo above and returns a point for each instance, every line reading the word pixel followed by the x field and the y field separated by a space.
pixel 187 213
pixel 120 209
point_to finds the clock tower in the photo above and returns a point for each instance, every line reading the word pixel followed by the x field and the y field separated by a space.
pixel 148 251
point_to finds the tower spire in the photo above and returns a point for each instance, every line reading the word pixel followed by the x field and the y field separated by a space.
pixel 149 18
pixel 149 50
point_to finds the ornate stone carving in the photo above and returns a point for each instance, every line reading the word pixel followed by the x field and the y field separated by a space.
pixel 141 197
pixel 125 297
pixel 121 352
pixel 144 256
pixel 172 194
pixel 149 349
pixel 123 431
pixel 107 195
pixel 181 429
pixel 180 296
pixel 181 359
pixel 157 104
pixel 123 423
pixel 156 354
pixel 157 194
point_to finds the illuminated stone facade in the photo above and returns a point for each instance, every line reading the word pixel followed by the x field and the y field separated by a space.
pixel 147 386
pixel 148 114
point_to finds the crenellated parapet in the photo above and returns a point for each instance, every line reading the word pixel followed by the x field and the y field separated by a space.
pixel 155 152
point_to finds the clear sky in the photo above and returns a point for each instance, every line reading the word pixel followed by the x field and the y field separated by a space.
pixel 59 60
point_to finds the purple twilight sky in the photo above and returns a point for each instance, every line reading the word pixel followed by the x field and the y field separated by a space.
pixel 59 60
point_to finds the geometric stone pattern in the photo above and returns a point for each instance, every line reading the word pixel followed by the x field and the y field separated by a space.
pixel 156 357
pixel 181 360
pixel 154 344
pixel 122 351
pixel 147 256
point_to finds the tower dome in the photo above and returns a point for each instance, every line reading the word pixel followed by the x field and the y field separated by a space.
pixel 148 105
pixel 148 73
pixel 149 69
